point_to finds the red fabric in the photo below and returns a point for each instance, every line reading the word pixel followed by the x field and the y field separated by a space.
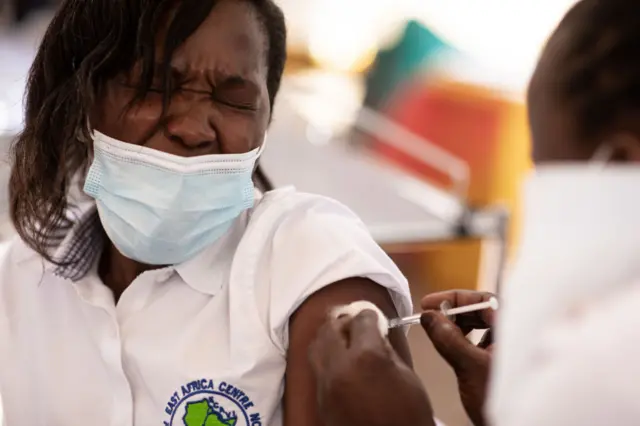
pixel 466 126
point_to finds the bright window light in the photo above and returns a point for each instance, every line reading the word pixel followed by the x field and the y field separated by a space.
pixel 345 33
pixel 505 36
pixel 502 35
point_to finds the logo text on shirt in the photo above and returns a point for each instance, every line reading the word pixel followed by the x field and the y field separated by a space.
pixel 207 403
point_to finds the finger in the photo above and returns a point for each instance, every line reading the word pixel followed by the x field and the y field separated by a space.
pixel 364 332
pixel 472 321
pixel 450 343
pixel 457 298
pixel 487 340
pixel 330 343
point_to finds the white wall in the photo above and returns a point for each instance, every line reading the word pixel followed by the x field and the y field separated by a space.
pixel 503 36
pixel 506 35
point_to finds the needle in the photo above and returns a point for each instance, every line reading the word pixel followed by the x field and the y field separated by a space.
pixel 446 310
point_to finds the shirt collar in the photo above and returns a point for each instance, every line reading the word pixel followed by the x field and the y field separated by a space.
pixel 203 272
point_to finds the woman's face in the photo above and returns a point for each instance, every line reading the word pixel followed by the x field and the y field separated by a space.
pixel 220 104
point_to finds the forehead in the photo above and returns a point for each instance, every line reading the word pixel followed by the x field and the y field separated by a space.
pixel 230 39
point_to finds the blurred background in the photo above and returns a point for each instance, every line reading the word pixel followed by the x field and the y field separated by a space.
pixel 411 112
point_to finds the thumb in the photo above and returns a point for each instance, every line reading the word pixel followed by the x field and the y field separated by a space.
pixel 364 331
pixel 450 343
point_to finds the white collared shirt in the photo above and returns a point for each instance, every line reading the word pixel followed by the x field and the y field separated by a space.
pixel 200 343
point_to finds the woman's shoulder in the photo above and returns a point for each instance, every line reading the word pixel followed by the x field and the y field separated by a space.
pixel 289 196
pixel 287 208
pixel 314 230
pixel 297 233
pixel 296 244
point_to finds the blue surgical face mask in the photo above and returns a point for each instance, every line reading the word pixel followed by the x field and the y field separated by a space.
pixel 163 209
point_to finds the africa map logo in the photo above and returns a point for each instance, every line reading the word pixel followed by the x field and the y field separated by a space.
pixel 205 413
pixel 205 403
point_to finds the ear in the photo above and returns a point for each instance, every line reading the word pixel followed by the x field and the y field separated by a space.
pixel 625 148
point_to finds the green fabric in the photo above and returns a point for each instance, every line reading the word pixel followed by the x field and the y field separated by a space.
pixel 201 413
pixel 416 48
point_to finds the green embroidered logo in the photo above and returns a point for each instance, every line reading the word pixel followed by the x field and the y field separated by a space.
pixel 205 403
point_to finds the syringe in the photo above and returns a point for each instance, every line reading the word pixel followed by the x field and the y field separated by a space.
pixel 446 310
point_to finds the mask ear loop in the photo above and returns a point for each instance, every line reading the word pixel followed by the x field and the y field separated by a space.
pixel 263 181
pixel 264 144
pixel 601 157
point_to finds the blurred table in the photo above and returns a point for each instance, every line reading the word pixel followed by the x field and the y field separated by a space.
pixel 393 205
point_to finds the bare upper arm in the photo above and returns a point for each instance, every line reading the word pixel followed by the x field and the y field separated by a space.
pixel 300 404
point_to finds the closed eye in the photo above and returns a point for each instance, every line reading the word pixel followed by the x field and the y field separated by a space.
pixel 222 100
pixel 236 92
pixel 236 105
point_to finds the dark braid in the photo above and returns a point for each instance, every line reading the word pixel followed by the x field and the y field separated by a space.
pixel 598 45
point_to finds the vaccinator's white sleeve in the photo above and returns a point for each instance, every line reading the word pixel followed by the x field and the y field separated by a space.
pixel 586 370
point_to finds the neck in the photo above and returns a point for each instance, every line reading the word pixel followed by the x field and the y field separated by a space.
pixel 117 271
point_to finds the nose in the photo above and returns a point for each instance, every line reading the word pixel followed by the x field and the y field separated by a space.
pixel 193 130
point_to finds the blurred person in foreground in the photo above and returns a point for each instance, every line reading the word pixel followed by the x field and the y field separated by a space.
pixel 173 290
pixel 566 351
